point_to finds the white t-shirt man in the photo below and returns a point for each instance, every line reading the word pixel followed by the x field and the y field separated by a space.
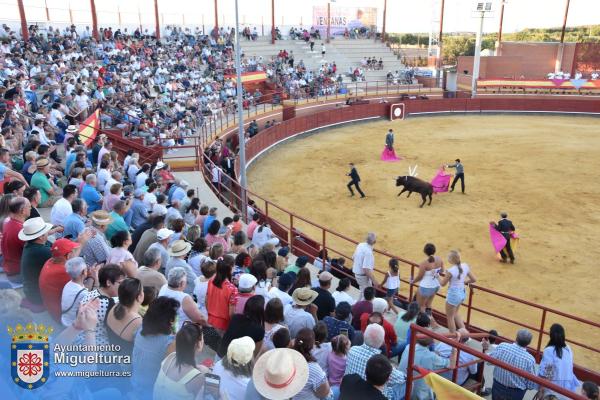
pixel 281 295
pixel 103 177
pixel 72 295
pixel 60 211
pixel 363 258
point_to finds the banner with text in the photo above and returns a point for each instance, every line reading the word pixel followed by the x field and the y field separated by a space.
pixel 343 18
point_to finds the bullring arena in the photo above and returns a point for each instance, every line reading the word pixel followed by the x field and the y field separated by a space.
pixel 540 169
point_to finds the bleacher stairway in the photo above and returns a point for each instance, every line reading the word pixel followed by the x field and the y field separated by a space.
pixel 344 52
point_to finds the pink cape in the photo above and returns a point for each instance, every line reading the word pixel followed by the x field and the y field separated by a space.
pixel 441 181
pixel 498 241
pixel 389 155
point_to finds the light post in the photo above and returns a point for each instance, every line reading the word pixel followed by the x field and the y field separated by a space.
pixel 482 9
pixel 242 139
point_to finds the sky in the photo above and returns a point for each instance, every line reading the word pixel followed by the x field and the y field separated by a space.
pixel 402 15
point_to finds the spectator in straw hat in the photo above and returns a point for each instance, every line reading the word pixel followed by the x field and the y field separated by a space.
pixel 97 249
pixel 235 369
pixel 178 252
pixel 35 253
pixel 302 313
pixel 278 374
pixel 46 187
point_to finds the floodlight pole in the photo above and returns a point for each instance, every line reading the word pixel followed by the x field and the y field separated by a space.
pixel 440 46
pixel 24 28
pixel 561 46
pixel 241 136
pixel 498 49
pixel 477 57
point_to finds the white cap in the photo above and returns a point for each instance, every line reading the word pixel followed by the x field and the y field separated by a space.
pixel 247 281
pixel 164 233
pixel 380 305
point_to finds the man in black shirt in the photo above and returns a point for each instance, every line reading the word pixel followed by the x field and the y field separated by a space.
pixel 505 227
pixel 353 174
pixel 324 300
pixel 377 372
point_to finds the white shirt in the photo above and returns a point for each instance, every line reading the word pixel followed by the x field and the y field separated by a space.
pixel 216 174
pixel 343 296
pixel 149 200
pixel 283 296
pixel 55 116
pixel 200 290
pixel 103 177
pixel 455 280
pixel 234 387
pixel 60 211
pixel 68 298
pixel 445 350
pixel 140 180
pixel 111 181
pixel 363 258
pixel 260 238
pixel 159 209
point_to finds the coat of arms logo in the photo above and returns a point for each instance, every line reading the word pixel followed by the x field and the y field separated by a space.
pixel 30 355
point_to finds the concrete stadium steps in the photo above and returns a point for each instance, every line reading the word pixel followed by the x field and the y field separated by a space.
pixel 345 53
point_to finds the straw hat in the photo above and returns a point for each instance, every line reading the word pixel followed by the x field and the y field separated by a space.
pixel 101 217
pixel 72 129
pixel 159 165
pixel 179 248
pixel 304 296
pixel 280 374
pixel 33 228
pixel 42 162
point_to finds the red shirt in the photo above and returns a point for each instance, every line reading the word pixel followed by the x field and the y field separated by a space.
pixel 358 309
pixel 218 301
pixel 390 333
pixel 251 228
pixel 166 175
pixel 12 246
pixel 53 279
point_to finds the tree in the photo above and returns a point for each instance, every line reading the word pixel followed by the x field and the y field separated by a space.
pixel 456 46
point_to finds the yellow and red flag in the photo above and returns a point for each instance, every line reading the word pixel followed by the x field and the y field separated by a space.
pixel 89 128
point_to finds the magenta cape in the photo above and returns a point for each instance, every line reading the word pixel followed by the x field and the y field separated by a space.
pixel 441 181
pixel 498 241
pixel 389 155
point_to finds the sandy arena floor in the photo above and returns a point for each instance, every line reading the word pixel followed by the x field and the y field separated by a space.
pixel 542 170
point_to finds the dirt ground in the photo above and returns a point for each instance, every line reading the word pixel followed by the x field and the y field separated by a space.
pixel 542 170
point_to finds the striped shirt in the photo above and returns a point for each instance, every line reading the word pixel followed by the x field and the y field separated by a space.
pixel 518 357
pixel 316 377
pixel 356 363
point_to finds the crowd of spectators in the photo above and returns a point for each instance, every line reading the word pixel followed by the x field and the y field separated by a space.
pixel 132 257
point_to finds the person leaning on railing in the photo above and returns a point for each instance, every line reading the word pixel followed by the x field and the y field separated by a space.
pixel 508 384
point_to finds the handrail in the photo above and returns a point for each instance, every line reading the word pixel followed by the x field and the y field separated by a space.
pixel 420 332
pixel 287 228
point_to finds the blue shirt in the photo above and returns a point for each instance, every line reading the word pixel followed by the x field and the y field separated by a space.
pixel 69 162
pixel 74 224
pixel 335 325
pixel 178 194
pixel 91 197
pixel 2 171
pixel 427 359
pixel 209 219
pixel 139 213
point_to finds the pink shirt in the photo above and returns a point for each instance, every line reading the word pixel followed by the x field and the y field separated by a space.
pixel 251 228
pixel 119 254
pixel 110 201
pixel 211 239
pixel 336 366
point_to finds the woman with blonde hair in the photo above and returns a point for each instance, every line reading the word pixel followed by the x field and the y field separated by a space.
pixel 456 276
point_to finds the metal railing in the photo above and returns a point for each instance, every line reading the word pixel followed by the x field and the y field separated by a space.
pixel 305 237
pixel 418 332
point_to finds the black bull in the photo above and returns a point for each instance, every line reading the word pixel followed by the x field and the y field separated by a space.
pixel 412 184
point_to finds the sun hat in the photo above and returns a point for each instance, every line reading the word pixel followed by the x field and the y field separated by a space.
pixel 40 116
pixel 240 351
pixel 164 233
pixel 33 228
pixel 62 247
pixel 160 165
pixel 280 374
pixel 274 241
pixel 42 162
pixel 304 296
pixel 247 281
pixel 183 184
pixel 179 248
pixel 73 129
pixel 138 193
pixel 101 217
